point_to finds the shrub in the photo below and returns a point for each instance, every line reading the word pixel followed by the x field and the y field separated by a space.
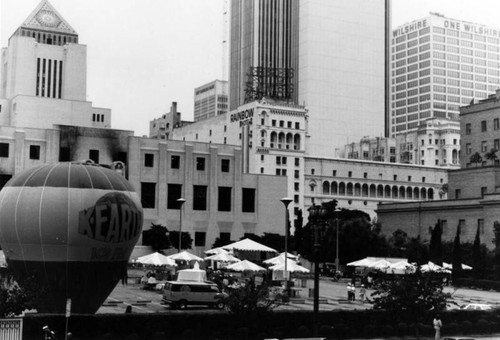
pixel 482 326
pixel 341 330
pixel 387 330
pixel 402 329
pixel 451 328
pixel 326 330
pixel 467 327
pixel 303 331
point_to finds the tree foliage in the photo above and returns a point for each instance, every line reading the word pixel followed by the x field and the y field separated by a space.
pixel 457 257
pixel 412 296
pixel 491 155
pixel 13 298
pixel 436 246
pixel 476 158
pixel 250 299
pixel 186 240
pixel 156 237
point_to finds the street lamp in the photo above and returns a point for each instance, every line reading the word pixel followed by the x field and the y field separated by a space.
pixel 317 215
pixel 180 201
pixel 286 201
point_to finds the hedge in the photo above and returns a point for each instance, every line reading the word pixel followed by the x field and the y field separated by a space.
pixel 331 324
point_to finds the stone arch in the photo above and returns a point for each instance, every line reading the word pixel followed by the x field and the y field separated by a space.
pixel 349 189
pixel 342 188
pixel 326 188
pixel 296 142
pixel 395 192
pixel 333 188
pixel 416 193
pixel 387 192
pixel 423 193
pixel 402 193
pixel 274 139
pixel 281 140
pixel 373 190
pixel 380 190
pixel 289 141
pixel 357 189
pixel 409 193
pixel 454 156
pixel 430 194
pixel 364 190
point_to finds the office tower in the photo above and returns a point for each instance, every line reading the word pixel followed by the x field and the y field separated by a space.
pixel 336 52
pixel 210 100
pixel 438 65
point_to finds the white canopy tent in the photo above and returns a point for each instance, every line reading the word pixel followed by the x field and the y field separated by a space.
pixel 156 259
pixel 223 257
pixel 280 259
pixel 292 267
pixel 193 274
pixel 215 251
pixel 249 245
pixel 245 265
pixel 450 266
pixel 432 267
pixel 185 256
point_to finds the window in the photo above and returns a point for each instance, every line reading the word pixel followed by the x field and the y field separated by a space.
pixel 200 163
pixel 296 186
pixel 296 174
pixel 480 225
pixel 34 151
pixel 199 197
pixel 467 129
pixel 484 146
pixel 175 162
pixel 312 171
pixel 483 126
pixel 224 203
pixel 297 161
pixel 334 173
pixel 149 160
pixel 225 237
pixel 496 124
pixel 289 125
pixel 458 194
pixel 174 192
pixel 224 165
pixel 278 160
pixel 409 178
pixel 349 174
pixel 296 198
pixel 199 238
pixel 64 154
pixel 148 195
pixel 461 223
pixel 297 125
pixel 365 175
pixel 484 190
pixel 273 122
pixel 262 158
pixel 248 200
pixel 282 123
pixel 395 177
pixel 423 179
pixel 94 156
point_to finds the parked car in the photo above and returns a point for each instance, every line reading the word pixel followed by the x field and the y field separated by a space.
pixel 477 306
pixel 180 294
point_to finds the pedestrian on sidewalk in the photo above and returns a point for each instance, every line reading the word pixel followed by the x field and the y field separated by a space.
pixel 437 327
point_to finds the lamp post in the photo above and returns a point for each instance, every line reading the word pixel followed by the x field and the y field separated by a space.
pixel 286 201
pixel 317 216
pixel 181 203
pixel 337 248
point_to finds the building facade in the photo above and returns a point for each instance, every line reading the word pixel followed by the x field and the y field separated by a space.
pixel 315 53
pixel 473 190
pixel 439 64
pixel 45 118
pixel 436 142
pixel 211 100
pixel 44 75
pixel 481 131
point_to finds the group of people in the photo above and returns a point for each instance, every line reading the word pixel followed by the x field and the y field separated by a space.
pixel 351 292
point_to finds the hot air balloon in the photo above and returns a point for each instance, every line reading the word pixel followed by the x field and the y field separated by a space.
pixel 71 228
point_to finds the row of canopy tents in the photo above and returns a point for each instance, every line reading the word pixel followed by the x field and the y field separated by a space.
pixel 226 255
pixel 401 266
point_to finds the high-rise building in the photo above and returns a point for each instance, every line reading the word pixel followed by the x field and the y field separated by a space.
pixel 315 53
pixel 263 50
pixel 210 100
pixel 438 65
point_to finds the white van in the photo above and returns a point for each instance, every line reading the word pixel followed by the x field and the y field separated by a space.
pixel 180 294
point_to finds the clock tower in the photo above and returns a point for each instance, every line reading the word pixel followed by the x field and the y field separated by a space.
pixel 44 74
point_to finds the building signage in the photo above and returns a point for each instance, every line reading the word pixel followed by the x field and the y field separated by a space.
pixel 244 117
pixel 408 28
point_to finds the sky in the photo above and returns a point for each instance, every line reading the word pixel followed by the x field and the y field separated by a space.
pixel 142 55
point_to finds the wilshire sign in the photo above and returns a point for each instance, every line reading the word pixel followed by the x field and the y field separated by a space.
pixel 462 26
pixel 244 117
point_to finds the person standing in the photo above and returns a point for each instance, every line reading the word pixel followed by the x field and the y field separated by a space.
pixel 437 327
pixel 362 292
pixel 48 334
pixel 349 292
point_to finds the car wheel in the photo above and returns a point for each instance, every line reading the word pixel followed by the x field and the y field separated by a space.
pixel 220 305
pixel 183 304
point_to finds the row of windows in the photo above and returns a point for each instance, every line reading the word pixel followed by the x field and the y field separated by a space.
pixel 34 152
pixel 484 126
pixel 49 38
pixel 175 162
pixel 274 122
pixel 200 197
pixel 98 117
pixel 376 191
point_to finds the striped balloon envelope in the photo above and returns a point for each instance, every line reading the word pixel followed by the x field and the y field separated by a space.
pixel 69 228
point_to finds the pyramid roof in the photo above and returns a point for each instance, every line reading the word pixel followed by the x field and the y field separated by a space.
pixel 46 17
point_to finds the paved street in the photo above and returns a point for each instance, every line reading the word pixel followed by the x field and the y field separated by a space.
pixel 333 296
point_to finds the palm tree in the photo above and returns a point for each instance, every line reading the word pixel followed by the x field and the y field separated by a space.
pixel 476 158
pixel 492 156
